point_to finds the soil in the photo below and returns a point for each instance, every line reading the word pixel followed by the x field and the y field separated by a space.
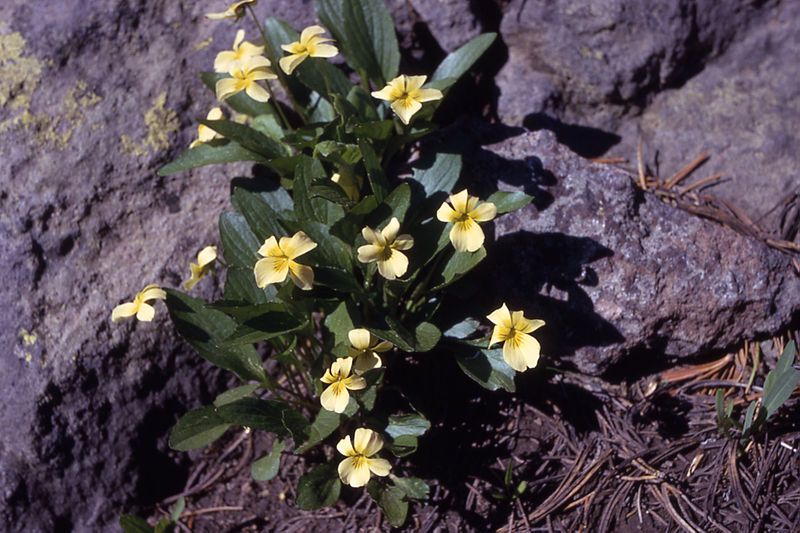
pixel 617 453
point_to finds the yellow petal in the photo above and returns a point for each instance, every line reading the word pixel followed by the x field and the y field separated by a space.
pixel 302 275
pixel 405 108
pixel 373 445
pixel 521 352
pixel 335 398
pixel 499 334
pixel 297 245
pixel 367 361
pixel 359 338
pixel 345 364
pixel 328 377
pixel 238 39
pixel 270 248
pixel 227 87
pixel 293 48
pixel 257 92
pixel 225 61
pixel 532 325
pixel 207 256
pixel 355 474
pixel 146 312
pixel 291 62
pixel 356 383
pixel 248 49
pixel 390 231
pixel 445 213
pixel 500 316
pixel 257 67
pixel 310 32
pixel 413 83
pixel 345 447
pixel 324 50
pixel 459 201
pixel 403 242
pixel 484 212
pixel 152 292
pixel 369 253
pixel 361 440
pixel 270 270
pixel 372 236
pixel 128 309
pixel 393 267
pixel 387 93
pixel 428 95
pixel 379 467
pixel 466 236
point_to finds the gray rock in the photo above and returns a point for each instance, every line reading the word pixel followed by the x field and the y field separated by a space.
pixel 451 22
pixel 618 274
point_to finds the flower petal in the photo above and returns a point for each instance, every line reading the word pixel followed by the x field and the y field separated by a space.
pixel 227 87
pixel 207 256
pixel 345 365
pixel 383 346
pixel 270 248
pixel 367 361
pixel 297 245
pixel 128 309
pixel 428 95
pixel 445 213
pixel 345 447
pixel 403 242
pixel 356 383
pixel 359 476
pixel 387 93
pixel 335 398
pixel 390 231
pixel 379 467
pixel 521 352
pixel 359 338
pixel 146 312
pixel 459 201
pixel 484 212
pixel 291 62
pixel 373 445
pixel 361 440
pixel 238 40
pixel 311 31
pixel 532 325
pixel 466 236
pixel 225 61
pixel 393 267
pixel 500 316
pixel 325 50
pixel 369 253
pixel 372 236
pixel 405 108
pixel 257 92
pixel 413 83
pixel 499 334
pixel 302 275
pixel 270 270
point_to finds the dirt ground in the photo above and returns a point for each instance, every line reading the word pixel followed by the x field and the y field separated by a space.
pixel 637 451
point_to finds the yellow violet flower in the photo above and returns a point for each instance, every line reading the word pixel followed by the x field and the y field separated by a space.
pixel 244 78
pixel 520 349
pixel 309 45
pixel 384 248
pixel 234 11
pixel 204 133
pixel 279 261
pixel 359 465
pixel 465 213
pixel 350 182
pixel 365 348
pixel 407 95
pixel 244 54
pixel 341 381
pixel 139 306
pixel 205 259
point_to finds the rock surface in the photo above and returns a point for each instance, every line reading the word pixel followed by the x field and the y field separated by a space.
pixel 687 76
pixel 616 273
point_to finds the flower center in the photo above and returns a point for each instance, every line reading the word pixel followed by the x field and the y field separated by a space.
pixel 359 461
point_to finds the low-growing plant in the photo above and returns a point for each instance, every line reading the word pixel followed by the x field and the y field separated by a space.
pixel 336 267
pixel 779 385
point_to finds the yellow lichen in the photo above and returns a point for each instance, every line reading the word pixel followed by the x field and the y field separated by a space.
pixel 57 130
pixel 204 43
pixel 28 338
pixel 161 123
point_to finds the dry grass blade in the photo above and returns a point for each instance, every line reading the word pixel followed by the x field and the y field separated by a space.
pixel 685 171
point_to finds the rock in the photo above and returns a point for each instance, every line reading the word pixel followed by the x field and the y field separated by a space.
pixel 618 274
pixel 451 22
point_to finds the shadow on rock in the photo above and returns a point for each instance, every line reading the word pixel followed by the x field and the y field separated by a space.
pixel 585 141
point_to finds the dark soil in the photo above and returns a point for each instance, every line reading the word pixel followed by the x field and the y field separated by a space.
pixel 642 453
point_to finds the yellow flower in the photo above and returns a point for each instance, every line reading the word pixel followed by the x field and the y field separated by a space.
pixel 205 259
pixel 244 54
pixel 365 348
pixel 466 212
pixel 350 182
pixel 360 465
pixel 278 261
pixel 139 306
pixel 407 95
pixel 309 45
pixel 335 397
pixel 520 350
pixel 384 247
pixel 234 11
pixel 244 79
pixel 204 133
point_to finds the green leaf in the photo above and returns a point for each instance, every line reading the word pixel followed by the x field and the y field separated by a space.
pixel 458 266
pixel 403 445
pixel 426 337
pixel 441 176
pixel 330 191
pixel 330 250
pixel 463 329
pixel 364 31
pixel 392 502
pixel 269 415
pixel 488 369
pixel 238 102
pixel 781 381
pixel 341 321
pixel 325 424
pixel 271 321
pixel 205 328
pixel 247 137
pixel 404 344
pixel 260 216
pixel 197 429
pixel 414 425
pixel 177 510
pixel 133 524
pixel 210 154
pixel 269 126
pixel 309 209
pixel 457 63
pixel 748 418
pixel 363 103
pixel 235 394
pixel 267 467
pixel 239 243
pixel 413 487
pixel 377 179
pixel 379 130
pixel 240 285
pixel 507 202
pixel 319 488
